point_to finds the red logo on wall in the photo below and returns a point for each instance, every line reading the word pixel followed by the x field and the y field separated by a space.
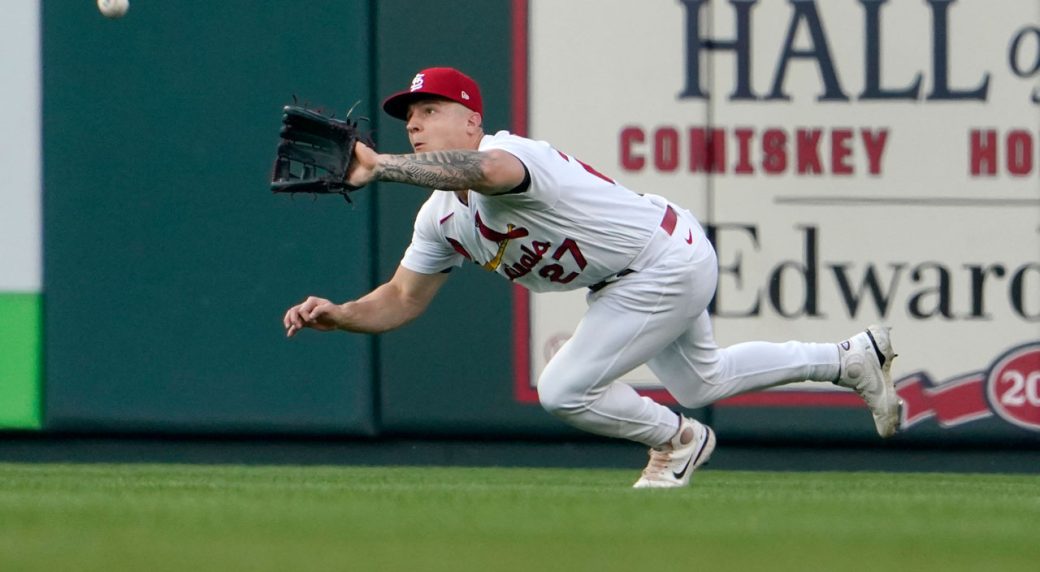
pixel 1013 387
pixel 1010 388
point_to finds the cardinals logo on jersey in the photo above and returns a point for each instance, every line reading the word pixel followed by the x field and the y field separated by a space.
pixel 501 238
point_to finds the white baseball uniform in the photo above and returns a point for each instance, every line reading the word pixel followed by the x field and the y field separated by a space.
pixel 651 273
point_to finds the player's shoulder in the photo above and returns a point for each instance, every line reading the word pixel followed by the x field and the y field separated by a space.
pixel 506 140
pixel 536 155
pixel 500 137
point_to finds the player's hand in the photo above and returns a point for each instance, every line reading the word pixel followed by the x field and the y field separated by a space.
pixel 317 313
pixel 362 170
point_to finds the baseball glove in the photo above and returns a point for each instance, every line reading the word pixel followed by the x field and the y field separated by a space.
pixel 315 152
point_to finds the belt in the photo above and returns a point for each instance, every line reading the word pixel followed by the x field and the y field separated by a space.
pixel 667 225
pixel 608 281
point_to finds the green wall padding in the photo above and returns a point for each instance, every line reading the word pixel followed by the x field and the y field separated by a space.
pixel 169 264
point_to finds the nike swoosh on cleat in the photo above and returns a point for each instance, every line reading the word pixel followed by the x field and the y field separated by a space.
pixel 877 350
pixel 693 458
pixel 680 474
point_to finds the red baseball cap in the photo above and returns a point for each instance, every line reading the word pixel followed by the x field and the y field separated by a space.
pixel 448 83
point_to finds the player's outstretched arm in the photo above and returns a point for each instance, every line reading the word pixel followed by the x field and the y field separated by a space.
pixel 399 301
pixel 486 172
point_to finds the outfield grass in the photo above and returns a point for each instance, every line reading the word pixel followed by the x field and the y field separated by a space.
pixel 197 518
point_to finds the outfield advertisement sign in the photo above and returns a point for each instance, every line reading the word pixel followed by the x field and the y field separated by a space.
pixel 857 161
pixel 20 235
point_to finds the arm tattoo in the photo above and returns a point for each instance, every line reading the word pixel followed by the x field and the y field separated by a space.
pixel 445 170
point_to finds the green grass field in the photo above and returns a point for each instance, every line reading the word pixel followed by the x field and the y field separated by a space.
pixel 229 518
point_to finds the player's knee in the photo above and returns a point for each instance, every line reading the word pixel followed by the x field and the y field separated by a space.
pixel 557 398
pixel 704 389
pixel 695 401
pixel 551 399
pixel 712 373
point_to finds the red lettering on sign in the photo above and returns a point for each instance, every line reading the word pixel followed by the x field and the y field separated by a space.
pixel 666 149
pixel 1019 153
pixel 744 151
pixel 808 141
pixel 774 149
pixel 806 151
pixel 707 150
pixel 983 152
pixel 840 152
pixel 874 144
pixel 630 161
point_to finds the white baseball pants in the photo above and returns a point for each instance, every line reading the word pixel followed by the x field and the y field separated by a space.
pixel 658 315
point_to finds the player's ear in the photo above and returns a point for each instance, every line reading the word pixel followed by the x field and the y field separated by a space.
pixel 475 122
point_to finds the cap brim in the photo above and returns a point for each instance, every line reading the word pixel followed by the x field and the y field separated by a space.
pixel 397 104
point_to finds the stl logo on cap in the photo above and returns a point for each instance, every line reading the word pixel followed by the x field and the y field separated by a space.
pixel 465 95
pixel 417 81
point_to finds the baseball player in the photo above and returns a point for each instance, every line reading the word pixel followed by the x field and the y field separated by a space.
pixel 543 219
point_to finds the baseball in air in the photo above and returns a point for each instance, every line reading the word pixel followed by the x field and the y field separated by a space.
pixel 113 8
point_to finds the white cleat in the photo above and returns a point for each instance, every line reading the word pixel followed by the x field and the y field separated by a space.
pixel 672 465
pixel 866 363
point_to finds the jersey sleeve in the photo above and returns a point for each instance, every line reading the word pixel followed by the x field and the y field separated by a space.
pixel 538 158
pixel 429 252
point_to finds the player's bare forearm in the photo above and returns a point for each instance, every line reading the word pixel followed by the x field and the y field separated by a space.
pixel 380 311
pixel 385 308
pixel 402 299
pixel 483 172
pixel 392 305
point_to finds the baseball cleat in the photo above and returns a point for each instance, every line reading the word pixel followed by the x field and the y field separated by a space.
pixel 672 465
pixel 866 364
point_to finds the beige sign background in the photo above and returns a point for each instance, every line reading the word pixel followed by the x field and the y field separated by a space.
pixel 20 162
pixel 860 161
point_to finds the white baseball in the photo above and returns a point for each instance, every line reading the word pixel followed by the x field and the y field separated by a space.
pixel 113 8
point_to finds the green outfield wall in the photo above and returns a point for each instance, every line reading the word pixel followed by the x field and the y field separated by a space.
pixel 168 262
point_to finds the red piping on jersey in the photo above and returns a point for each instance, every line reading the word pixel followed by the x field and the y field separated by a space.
pixel 669 220
pixel 446 217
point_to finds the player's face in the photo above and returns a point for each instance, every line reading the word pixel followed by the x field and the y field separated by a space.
pixel 439 125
